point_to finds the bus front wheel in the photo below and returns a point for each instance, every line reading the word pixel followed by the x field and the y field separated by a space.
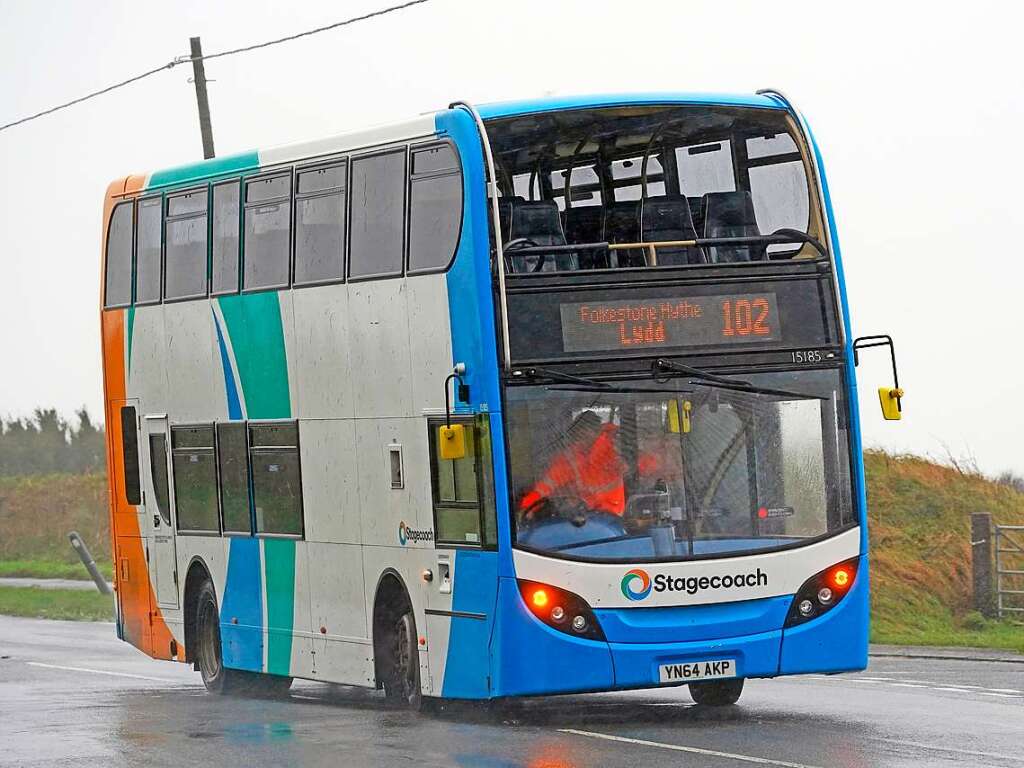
pixel 717 693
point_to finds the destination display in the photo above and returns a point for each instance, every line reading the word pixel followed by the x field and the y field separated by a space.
pixel 670 321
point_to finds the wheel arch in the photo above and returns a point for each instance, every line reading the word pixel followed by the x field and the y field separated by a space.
pixel 390 595
pixel 198 572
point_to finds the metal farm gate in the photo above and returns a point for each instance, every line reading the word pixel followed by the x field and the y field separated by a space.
pixel 1009 549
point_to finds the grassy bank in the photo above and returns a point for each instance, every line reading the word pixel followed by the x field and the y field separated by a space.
pixel 919 521
pixel 67 604
pixel 49 569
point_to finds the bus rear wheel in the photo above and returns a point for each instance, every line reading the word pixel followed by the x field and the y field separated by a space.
pixel 402 677
pixel 217 678
pixel 717 693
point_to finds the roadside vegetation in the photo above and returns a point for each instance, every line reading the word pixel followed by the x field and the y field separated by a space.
pixel 66 604
pixel 919 518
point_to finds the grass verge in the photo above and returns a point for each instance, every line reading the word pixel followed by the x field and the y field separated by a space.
pixel 51 569
pixel 67 604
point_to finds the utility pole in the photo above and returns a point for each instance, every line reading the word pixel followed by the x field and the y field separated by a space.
pixel 199 77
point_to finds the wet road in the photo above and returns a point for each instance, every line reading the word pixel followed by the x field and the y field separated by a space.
pixel 71 694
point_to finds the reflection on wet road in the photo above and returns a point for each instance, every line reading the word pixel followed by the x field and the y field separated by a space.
pixel 70 693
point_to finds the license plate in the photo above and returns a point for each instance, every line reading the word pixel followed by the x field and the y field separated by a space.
pixel 697 670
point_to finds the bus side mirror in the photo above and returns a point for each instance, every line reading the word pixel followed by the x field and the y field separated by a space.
pixel 891 398
pixel 679 420
pixel 451 441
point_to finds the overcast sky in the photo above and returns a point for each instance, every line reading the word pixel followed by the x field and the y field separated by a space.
pixel 919 113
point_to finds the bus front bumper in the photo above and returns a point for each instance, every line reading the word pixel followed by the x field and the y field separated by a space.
pixel 529 658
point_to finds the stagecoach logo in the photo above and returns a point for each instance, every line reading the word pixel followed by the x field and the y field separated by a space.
pixel 637 583
pixel 407 534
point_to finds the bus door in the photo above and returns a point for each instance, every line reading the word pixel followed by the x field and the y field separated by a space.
pixel 157 496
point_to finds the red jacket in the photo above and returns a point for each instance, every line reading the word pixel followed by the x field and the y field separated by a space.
pixel 593 473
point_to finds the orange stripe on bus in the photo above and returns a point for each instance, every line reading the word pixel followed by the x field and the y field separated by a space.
pixel 142 621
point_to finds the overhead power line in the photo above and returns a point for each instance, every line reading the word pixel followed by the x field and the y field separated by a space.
pixel 189 59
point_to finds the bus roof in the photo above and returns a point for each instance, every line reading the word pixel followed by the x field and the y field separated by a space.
pixel 250 161
pixel 555 103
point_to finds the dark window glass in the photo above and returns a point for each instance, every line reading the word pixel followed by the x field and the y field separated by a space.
pixel 233 460
pixel 462 488
pixel 189 202
pixel 195 478
pixel 276 478
pixel 225 238
pixel 267 232
pixel 130 456
pixel 275 435
pixel 320 226
pixel 322 179
pixel 158 473
pixel 186 246
pixel 434 159
pixel 435 213
pixel 272 188
pixel 147 252
pixel 378 215
pixel 119 257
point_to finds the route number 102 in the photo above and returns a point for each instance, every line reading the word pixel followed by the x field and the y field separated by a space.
pixel 745 317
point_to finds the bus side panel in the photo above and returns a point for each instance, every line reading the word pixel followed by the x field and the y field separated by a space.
pixel 835 642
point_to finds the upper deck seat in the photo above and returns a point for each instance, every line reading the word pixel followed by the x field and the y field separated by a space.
pixel 731 214
pixel 622 225
pixel 668 218
pixel 539 223
pixel 585 224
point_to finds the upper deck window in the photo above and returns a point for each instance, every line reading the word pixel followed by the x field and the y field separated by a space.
pixel 119 257
pixel 186 246
pixel 225 237
pixel 267 232
pixel 320 225
pixel 148 251
pixel 665 176
pixel 377 240
pixel 435 207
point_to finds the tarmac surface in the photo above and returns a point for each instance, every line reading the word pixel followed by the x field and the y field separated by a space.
pixel 72 694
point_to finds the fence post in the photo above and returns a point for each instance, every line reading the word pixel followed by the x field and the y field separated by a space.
pixel 981 562
pixel 89 563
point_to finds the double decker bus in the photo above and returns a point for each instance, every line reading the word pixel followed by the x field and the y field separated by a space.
pixel 531 398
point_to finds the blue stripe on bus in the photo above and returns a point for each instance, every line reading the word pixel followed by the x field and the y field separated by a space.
pixel 241 611
pixel 234 406
pixel 467 669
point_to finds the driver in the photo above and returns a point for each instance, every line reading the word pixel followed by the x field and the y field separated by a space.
pixel 588 468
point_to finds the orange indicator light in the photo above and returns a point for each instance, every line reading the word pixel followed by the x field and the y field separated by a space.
pixel 540 598
pixel 841 577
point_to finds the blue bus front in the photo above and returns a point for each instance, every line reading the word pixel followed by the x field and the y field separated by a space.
pixel 681 447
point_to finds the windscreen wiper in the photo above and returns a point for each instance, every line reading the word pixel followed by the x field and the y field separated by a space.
pixel 547 373
pixel 661 364
pixel 708 379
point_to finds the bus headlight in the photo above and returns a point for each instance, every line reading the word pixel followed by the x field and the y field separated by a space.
pixel 822 592
pixel 553 606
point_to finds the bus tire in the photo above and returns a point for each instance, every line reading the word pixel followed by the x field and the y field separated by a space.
pixel 217 678
pixel 402 667
pixel 717 693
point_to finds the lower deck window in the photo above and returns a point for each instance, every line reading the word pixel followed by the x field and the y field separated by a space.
pixel 276 478
pixel 195 478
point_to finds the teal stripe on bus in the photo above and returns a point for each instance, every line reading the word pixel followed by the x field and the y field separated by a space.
pixel 279 565
pixel 205 169
pixel 256 331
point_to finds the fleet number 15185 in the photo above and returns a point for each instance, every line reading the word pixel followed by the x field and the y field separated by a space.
pixel 807 356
